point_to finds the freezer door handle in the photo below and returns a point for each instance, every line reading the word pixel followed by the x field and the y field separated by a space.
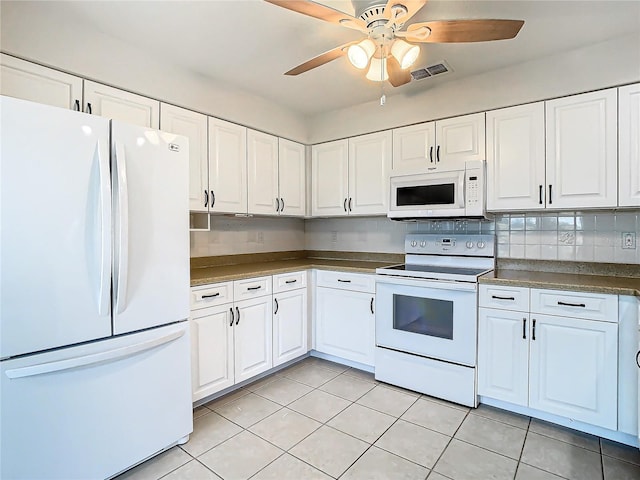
pixel 123 230
pixel 104 295
pixel 85 360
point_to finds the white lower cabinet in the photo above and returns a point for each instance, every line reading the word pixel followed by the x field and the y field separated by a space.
pixel 289 325
pixel 252 337
pixel 563 365
pixel 345 320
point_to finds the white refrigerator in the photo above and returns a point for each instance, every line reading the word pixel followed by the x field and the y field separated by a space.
pixel 94 292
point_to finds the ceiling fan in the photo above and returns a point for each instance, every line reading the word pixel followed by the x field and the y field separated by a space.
pixel 387 51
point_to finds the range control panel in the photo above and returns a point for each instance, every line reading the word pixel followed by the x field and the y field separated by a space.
pixel 480 245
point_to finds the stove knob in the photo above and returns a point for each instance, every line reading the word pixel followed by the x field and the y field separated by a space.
pixel 413 243
pixel 469 244
pixel 423 244
pixel 481 244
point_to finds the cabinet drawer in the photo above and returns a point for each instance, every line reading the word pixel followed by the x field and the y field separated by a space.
pixel 211 295
pixel 504 298
pixel 251 288
pixel 592 306
pixel 289 281
pixel 346 281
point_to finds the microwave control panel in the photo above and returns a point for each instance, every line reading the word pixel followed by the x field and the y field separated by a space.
pixel 474 191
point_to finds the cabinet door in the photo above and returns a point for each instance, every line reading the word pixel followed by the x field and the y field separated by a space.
pixel 262 166
pixel 515 158
pixel 193 126
pixel 582 148
pixel 289 326
pixel 120 105
pixel 503 355
pixel 345 324
pixel 227 167
pixel 292 178
pixel 629 148
pixel 414 148
pixel 252 337
pixel 211 350
pixel 574 369
pixel 32 82
pixel 460 139
pixel 369 167
pixel 329 177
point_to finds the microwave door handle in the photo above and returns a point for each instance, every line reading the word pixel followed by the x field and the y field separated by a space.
pixel 461 188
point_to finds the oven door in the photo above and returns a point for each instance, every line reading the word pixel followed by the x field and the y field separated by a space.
pixel 438 194
pixel 434 319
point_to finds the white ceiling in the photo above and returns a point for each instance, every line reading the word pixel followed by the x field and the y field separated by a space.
pixel 250 44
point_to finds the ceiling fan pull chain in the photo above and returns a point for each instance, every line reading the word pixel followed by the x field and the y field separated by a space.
pixel 383 97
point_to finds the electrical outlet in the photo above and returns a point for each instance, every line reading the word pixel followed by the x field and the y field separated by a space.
pixel 629 240
pixel 334 237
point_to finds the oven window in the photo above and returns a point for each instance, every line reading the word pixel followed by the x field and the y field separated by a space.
pixel 441 194
pixel 425 316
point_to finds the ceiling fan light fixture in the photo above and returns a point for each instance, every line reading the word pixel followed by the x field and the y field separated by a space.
pixel 378 70
pixel 405 53
pixel 360 53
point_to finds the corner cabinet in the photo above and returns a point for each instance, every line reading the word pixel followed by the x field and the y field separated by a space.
pixel 120 105
pixel 227 167
pixel 629 145
pixel 193 126
pixel 28 81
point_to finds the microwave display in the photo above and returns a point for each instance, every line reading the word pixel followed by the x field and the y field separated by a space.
pixel 440 194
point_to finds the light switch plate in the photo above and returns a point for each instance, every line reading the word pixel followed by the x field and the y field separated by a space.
pixel 629 240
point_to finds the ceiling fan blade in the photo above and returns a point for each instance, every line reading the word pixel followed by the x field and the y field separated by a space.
pixel 321 12
pixel 461 31
pixel 398 16
pixel 326 57
pixel 397 76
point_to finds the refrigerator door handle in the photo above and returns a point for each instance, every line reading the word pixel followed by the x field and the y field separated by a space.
pixel 104 296
pixel 123 230
pixel 102 357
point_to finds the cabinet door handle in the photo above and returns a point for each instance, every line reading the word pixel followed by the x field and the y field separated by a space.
pixel 344 281
pixel 88 110
pixel 213 199
pixel 497 297
pixel 350 199
pixel 76 105
pixel 533 332
pixel 438 154
pixel 638 358
pixel 431 154
pixel 277 204
pixel 232 318
pixel 345 205
pixel 524 328
pixel 540 201
pixel 291 281
pixel 550 200
pixel 276 310
pixel 206 198
pixel 255 288
pixel 212 295
pixel 282 202
pixel 572 304
pixel 371 306
pixel 238 315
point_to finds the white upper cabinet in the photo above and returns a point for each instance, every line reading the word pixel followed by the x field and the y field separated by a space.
pixel 329 176
pixel 516 158
pixel 29 81
pixel 442 144
pixel 262 166
pixel 629 145
pixel 369 168
pixel 582 150
pixel 227 167
pixel 120 105
pixel 292 178
pixel 193 126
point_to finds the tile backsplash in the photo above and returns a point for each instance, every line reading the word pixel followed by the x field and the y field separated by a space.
pixel 582 237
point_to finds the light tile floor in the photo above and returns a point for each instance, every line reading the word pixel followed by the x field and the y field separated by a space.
pixel 321 420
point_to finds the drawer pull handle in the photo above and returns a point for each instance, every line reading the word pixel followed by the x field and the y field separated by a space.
pixel 291 281
pixel 232 319
pixel 344 281
pixel 524 328
pixel 497 297
pixel 533 333
pixel 212 295
pixel 255 288
pixel 572 304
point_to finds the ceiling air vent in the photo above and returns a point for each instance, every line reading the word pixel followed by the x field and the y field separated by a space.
pixel 431 71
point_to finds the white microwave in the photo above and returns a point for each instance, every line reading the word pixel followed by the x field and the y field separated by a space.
pixel 458 192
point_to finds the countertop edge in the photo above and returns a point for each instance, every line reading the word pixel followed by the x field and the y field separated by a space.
pixel 611 290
